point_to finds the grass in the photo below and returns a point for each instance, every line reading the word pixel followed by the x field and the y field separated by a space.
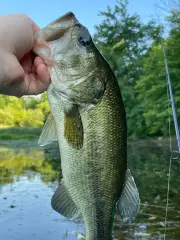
pixel 19 133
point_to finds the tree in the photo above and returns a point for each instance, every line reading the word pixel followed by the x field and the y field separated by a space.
pixel 19 112
pixel 44 105
pixel 152 85
pixel 123 40
pixel 172 10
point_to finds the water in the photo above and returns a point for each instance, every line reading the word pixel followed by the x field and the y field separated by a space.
pixel 29 177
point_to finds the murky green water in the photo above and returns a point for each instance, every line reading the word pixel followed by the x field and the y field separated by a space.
pixel 29 177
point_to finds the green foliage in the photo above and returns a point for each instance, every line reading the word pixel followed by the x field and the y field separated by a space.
pixel 152 85
pixel 19 133
pixel 23 112
pixel 173 17
pixel 16 136
pixel 133 49
pixel 123 40
pixel 22 130
pixel 17 162
pixel 44 105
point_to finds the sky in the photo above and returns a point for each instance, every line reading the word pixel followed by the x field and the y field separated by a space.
pixel 86 11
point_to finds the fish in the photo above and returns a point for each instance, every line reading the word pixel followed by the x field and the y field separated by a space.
pixel 88 119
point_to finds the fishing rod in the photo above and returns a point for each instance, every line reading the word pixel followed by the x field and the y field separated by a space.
pixel 171 96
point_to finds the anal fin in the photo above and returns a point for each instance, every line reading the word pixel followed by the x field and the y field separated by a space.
pixel 62 203
pixel 129 202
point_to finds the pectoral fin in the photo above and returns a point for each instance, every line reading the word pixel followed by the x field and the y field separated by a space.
pixel 129 202
pixel 62 203
pixel 73 128
pixel 49 133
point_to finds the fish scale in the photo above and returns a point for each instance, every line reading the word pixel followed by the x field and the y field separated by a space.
pixel 88 120
pixel 90 173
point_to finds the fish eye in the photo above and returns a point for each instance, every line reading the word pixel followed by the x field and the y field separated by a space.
pixel 83 41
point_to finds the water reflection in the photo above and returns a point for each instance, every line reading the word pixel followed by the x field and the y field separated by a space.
pixel 29 177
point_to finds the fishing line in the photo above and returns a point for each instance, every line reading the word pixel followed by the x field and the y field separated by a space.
pixel 170 138
pixel 170 165
pixel 169 131
pixel 170 160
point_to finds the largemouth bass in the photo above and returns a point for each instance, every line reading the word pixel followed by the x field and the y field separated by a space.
pixel 88 120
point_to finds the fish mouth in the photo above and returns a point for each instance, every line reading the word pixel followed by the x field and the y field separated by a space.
pixel 59 27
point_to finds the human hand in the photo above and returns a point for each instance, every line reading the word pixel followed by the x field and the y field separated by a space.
pixel 21 71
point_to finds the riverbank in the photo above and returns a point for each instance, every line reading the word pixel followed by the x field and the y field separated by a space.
pixel 19 133
pixel 24 133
